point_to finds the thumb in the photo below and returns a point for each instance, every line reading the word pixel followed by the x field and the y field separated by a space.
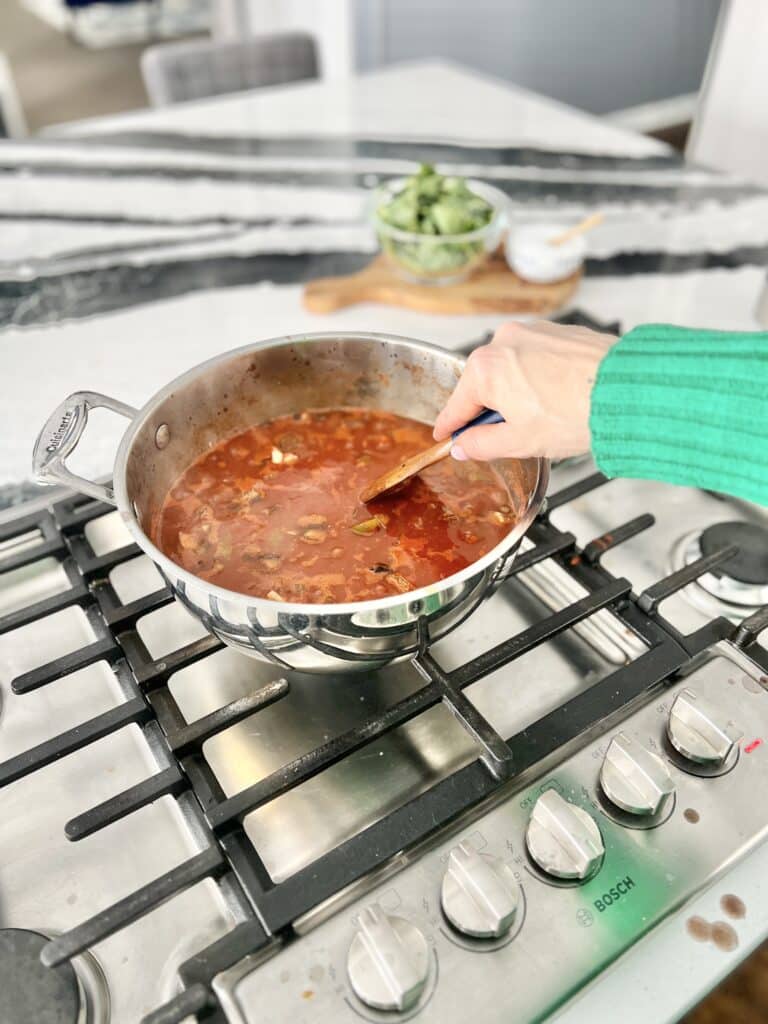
pixel 496 441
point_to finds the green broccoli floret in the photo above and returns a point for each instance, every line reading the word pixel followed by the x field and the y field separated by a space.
pixel 432 205
pixel 453 217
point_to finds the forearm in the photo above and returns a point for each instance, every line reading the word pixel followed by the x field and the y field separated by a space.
pixel 686 406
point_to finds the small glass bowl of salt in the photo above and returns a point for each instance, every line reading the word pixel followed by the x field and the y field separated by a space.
pixel 533 257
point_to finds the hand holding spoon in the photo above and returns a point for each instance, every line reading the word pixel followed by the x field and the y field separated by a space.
pixel 413 465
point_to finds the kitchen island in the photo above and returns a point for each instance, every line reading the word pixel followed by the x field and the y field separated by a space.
pixel 138 245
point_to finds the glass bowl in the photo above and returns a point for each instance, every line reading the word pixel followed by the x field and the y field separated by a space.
pixel 533 258
pixel 438 259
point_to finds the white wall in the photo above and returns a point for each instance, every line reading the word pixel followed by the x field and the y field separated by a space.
pixel 600 55
pixel 730 129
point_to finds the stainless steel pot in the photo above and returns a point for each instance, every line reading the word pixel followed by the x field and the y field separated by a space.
pixel 249 385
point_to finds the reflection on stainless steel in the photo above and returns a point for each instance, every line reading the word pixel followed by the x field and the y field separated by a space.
pixel 21 587
pixel 22 542
pixel 295 829
pixel 603 631
pixel 252 384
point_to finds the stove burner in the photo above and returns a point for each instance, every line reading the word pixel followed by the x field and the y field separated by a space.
pixel 735 587
pixel 750 565
pixel 28 990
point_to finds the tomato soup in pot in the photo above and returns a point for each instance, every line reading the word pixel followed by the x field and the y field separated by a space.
pixel 274 511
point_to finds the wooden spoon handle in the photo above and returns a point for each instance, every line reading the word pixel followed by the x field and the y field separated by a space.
pixel 413 465
pixel 578 229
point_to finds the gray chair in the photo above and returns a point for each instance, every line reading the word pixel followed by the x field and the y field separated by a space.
pixel 12 123
pixel 175 72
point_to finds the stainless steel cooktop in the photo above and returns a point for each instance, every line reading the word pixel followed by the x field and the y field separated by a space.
pixel 581 847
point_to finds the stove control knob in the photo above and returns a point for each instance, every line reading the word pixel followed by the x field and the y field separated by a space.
pixel 480 895
pixel 563 839
pixel 388 961
pixel 696 730
pixel 633 778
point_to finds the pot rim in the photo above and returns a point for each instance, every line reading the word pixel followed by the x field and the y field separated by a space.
pixel 175 572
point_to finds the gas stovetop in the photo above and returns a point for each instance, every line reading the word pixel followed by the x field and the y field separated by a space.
pixel 487 828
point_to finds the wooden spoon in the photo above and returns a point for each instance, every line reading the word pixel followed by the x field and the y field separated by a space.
pixel 413 465
pixel 578 229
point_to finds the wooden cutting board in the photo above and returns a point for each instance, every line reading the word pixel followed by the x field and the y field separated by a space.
pixel 492 289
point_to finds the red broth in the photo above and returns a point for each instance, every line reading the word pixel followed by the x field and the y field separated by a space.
pixel 275 511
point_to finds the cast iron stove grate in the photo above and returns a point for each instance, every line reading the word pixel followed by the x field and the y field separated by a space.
pixel 271 908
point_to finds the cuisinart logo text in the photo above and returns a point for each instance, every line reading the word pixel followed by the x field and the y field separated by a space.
pixel 614 894
pixel 60 432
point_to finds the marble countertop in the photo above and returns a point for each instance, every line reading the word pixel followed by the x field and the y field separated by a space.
pixel 133 247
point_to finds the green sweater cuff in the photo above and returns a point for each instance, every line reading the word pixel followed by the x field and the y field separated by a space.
pixel 685 406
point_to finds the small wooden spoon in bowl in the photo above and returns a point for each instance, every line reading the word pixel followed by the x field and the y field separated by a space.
pixel 413 465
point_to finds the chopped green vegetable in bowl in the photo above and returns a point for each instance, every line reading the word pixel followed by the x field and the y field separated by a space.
pixel 436 228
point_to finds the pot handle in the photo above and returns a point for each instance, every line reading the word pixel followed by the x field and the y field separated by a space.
pixel 60 436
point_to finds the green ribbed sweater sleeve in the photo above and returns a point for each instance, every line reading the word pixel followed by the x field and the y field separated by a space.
pixel 685 406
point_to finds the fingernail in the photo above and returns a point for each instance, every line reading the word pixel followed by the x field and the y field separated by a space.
pixel 458 453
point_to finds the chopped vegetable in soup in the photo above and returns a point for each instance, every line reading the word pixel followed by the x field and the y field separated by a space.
pixel 275 511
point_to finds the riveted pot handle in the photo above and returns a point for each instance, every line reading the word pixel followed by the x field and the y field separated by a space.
pixel 60 436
